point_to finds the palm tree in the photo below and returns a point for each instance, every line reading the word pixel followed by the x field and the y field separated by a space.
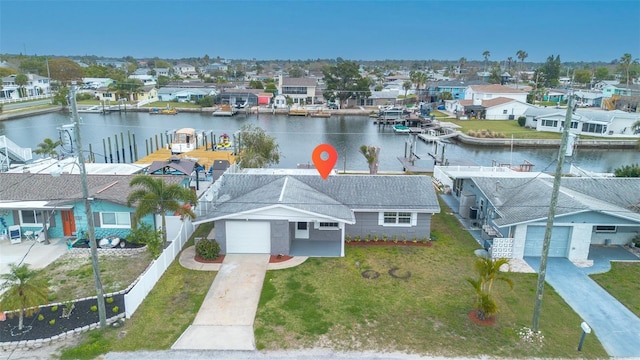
pixel 626 62
pixel 406 86
pixel 419 78
pixel 461 64
pixel 21 80
pixel 636 127
pixel 486 55
pixel 521 55
pixel 488 271
pixel 154 196
pixel 371 153
pixel 509 60
pixel 24 291
pixel 48 147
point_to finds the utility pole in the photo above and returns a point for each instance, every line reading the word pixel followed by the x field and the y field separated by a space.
pixel 87 204
pixel 552 212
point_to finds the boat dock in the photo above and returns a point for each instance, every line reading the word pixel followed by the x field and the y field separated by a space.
pixel 298 112
pixel 225 110
pixel 203 155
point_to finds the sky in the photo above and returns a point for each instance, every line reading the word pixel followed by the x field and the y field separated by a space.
pixel 586 30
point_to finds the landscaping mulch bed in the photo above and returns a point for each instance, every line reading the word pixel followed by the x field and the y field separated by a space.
pixel 389 243
pixel 220 258
pixel 84 244
pixel 41 329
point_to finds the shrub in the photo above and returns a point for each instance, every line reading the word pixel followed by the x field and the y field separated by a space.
pixel 347 238
pixel 109 300
pixel 54 308
pixel 40 317
pixel 145 234
pixel 522 120
pixel 115 309
pixel 94 308
pixel 208 249
pixel 52 322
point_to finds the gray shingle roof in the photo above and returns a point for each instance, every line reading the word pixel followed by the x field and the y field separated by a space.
pixel 66 189
pixel 335 197
pixel 519 200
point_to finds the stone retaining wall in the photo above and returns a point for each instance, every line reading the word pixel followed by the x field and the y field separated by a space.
pixel 552 143
pixel 86 252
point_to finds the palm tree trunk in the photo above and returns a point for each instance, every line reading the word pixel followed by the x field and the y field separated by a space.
pixel 21 319
pixel 164 229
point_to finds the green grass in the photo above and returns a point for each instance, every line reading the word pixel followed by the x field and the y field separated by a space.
pixel 507 127
pixel 622 283
pixel 326 302
pixel 163 316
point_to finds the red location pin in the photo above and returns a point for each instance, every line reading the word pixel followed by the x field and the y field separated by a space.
pixel 324 166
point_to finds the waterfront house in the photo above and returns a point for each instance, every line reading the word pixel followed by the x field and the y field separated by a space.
pixel 509 210
pixel 300 90
pixel 488 92
pixel 500 108
pixel 296 212
pixel 184 94
pixel 614 123
pixel 36 85
pixel 36 202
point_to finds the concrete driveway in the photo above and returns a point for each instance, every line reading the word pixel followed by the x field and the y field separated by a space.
pixel 225 319
pixel 617 328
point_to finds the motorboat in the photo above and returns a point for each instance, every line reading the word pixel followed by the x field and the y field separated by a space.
pixel 401 129
pixel 184 140
pixel 166 111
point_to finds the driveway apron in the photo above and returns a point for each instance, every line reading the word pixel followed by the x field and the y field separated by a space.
pixel 225 319
pixel 617 328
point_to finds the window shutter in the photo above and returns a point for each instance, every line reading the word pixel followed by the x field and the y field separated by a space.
pixel 96 219
pixel 16 217
pixel 381 218
pixel 132 219
pixel 414 219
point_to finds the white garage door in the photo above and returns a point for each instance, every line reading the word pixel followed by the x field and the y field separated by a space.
pixel 248 237
pixel 557 247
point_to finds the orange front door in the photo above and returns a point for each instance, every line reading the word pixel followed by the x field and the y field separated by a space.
pixel 68 222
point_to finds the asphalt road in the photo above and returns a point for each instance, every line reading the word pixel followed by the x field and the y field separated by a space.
pixel 25 104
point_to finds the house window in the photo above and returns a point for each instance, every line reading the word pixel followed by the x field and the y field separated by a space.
pixel 574 124
pixel 115 220
pixel 302 226
pixel 504 112
pixel 550 123
pixel 594 128
pixel 328 225
pixel 605 228
pixel 397 218
pixel 31 218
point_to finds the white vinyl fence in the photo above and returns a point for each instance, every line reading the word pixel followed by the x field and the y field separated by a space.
pixel 179 231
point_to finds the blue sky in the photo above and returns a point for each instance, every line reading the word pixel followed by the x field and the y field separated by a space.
pixel 299 30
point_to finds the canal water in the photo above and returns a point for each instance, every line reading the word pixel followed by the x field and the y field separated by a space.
pixel 297 137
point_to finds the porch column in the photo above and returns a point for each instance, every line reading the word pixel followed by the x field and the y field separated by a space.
pixel 342 240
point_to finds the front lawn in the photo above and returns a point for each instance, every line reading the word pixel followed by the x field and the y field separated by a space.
pixel 506 127
pixel 328 303
pixel 622 283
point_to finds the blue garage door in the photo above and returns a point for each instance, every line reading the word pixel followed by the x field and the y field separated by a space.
pixel 557 247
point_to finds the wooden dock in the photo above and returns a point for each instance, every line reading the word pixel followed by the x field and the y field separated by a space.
pixel 204 156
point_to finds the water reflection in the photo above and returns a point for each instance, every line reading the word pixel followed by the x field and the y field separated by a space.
pixel 297 137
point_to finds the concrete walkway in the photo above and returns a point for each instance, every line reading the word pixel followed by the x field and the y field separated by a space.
pixel 617 328
pixel 225 319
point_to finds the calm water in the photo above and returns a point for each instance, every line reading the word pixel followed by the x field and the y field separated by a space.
pixel 297 137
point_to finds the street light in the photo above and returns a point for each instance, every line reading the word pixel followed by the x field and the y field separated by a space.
pixel 87 203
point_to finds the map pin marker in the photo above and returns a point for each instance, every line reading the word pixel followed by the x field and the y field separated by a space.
pixel 324 166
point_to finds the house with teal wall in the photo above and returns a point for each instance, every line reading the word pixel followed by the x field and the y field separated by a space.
pixel 36 202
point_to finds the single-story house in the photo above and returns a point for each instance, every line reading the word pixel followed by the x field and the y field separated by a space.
pixel 500 108
pixel 513 210
pixel 38 201
pixel 184 94
pixel 299 213
pixel 235 96
pixel 583 121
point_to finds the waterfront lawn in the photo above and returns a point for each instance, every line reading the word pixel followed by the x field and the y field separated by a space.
pixel 506 127
pixel 326 302
pixel 622 283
